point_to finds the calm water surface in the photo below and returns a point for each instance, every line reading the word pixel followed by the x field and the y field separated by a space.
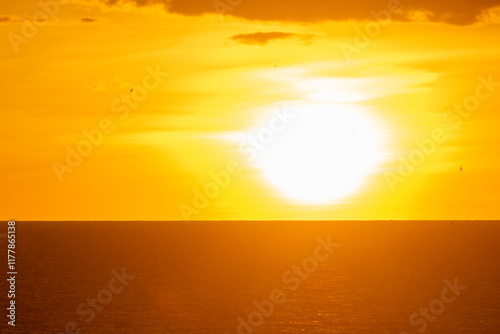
pixel 206 277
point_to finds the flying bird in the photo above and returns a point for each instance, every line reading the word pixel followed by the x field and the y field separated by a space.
pixel 131 90
pixel 460 168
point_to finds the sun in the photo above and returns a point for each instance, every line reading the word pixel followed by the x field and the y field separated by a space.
pixel 324 155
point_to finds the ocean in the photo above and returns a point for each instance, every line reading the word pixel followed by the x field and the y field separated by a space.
pixel 217 277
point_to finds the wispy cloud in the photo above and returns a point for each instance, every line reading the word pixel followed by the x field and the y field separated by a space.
pixel 100 86
pixel 19 20
pixel 11 19
pixel 490 16
pixel 88 19
pixel 263 38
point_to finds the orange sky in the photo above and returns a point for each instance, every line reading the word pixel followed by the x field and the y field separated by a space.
pixel 202 81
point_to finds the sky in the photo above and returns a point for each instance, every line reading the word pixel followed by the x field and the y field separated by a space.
pixel 249 109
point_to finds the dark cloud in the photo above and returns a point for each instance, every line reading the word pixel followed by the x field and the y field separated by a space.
pixel 456 12
pixel 87 19
pixel 138 3
pixel 262 38
pixel 10 19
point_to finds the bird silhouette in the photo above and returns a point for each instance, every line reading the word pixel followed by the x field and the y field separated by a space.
pixel 460 168
pixel 131 90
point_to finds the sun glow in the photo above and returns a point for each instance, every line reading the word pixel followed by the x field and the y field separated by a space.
pixel 324 154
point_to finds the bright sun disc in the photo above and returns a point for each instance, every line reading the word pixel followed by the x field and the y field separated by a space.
pixel 323 155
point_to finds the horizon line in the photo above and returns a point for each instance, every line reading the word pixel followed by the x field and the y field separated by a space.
pixel 266 220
